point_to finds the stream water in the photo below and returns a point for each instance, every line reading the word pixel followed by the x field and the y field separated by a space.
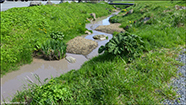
pixel 15 80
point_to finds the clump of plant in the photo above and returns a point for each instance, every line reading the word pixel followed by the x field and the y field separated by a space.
pixel 53 49
pixel 51 93
pixel 124 44
pixel 57 35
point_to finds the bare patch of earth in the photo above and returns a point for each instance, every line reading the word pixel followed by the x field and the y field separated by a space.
pixel 110 28
pixel 80 45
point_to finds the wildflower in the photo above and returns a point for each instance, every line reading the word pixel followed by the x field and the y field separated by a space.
pixel 129 21
pixel 124 10
pixel 166 6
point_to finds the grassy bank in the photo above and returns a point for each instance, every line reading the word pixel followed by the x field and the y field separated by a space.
pixel 165 27
pixel 24 30
pixel 111 79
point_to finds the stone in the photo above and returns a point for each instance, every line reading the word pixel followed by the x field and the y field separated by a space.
pixel 100 37
pixel 146 19
pixel 184 8
pixel 35 3
pixel 177 7
pixel 88 32
pixel 130 11
pixel 93 15
pixel 70 59
pixel 49 3
pixel 118 8
pixel 80 45
pixel 110 28
pixel 114 10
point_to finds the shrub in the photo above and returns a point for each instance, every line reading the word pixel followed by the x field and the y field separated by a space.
pixel 53 49
pixel 124 44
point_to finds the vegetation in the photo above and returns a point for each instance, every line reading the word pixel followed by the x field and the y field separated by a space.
pixel 110 79
pixel 150 22
pixel 53 49
pixel 124 44
pixel 34 25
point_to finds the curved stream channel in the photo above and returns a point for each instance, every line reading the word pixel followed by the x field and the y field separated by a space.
pixel 15 80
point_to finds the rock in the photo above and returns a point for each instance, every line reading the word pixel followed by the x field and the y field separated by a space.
pixel 35 3
pixel 89 19
pixel 70 59
pixel 100 37
pixel 93 15
pixel 130 11
pixel 183 7
pixel 80 45
pixel 177 7
pixel 49 3
pixel 118 8
pixel 110 28
pixel 114 10
pixel 87 32
pixel 146 19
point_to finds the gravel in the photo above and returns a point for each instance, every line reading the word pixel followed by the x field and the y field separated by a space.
pixel 179 83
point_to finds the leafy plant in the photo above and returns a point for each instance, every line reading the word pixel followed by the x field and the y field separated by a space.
pixel 124 44
pixel 51 93
pixel 53 49
pixel 57 35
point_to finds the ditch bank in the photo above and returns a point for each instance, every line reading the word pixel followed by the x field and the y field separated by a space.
pixel 17 80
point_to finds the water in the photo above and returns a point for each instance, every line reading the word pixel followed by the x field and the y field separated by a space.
pixel 15 80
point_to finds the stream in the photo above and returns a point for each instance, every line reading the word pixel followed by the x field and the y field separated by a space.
pixel 15 80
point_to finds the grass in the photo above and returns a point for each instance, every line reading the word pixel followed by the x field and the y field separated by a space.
pixel 164 22
pixel 112 80
pixel 33 26
pixel 108 79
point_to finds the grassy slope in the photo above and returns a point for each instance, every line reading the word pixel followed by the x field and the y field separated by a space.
pixel 162 28
pixel 24 28
pixel 110 79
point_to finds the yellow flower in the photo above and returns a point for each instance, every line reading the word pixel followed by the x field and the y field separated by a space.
pixel 124 10
pixel 129 21
pixel 79 23
pixel 166 6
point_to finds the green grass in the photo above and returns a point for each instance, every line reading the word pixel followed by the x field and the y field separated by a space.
pixel 108 79
pixel 162 30
pixel 22 29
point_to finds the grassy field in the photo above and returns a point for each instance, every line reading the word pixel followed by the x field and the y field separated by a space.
pixel 24 30
pixel 110 78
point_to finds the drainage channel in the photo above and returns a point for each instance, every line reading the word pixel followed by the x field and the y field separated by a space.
pixel 16 80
